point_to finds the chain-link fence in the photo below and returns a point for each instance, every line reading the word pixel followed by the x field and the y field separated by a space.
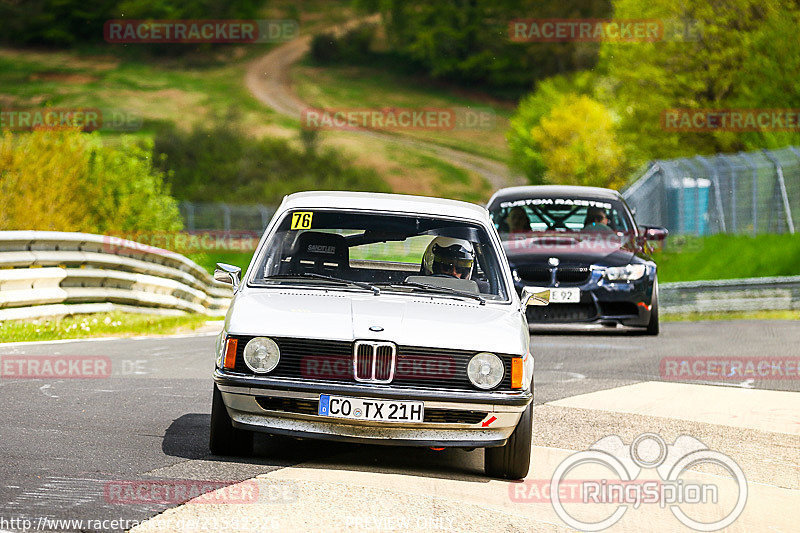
pixel 225 217
pixel 753 192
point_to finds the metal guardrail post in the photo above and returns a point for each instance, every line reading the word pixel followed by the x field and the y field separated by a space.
pixel 723 159
pixel 226 217
pixel 754 168
pixel 782 185
pixel 717 197
pixel 264 216
pixel 189 207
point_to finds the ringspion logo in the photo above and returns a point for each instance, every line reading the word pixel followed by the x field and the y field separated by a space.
pixel 674 489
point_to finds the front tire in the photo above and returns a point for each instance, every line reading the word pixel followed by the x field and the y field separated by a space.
pixel 513 460
pixel 224 438
pixel 652 326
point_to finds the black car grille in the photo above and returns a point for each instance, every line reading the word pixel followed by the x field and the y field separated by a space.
pixel 535 274
pixel 332 362
pixel 310 407
pixel 565 275
pixel 618 308
pixel 572 275
pixel 554 313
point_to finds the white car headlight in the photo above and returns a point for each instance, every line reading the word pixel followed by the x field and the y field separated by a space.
pixel 261 355
pixel 625 273
pixel 485 370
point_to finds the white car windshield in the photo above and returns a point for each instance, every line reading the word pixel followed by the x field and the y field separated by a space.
pixel 383 251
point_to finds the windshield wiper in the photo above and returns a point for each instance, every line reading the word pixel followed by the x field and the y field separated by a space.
pixel 368 286
pixel 440 290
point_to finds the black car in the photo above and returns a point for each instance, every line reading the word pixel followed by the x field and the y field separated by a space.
pixel 582 243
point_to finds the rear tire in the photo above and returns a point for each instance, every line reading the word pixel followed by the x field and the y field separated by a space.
pixel 513 460
pixel 224 438
pixel 652 326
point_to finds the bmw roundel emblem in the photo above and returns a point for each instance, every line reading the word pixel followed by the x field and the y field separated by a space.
pixel 553 261
pixel 375 328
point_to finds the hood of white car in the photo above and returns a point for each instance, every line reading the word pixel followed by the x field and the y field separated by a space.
pixel 407 320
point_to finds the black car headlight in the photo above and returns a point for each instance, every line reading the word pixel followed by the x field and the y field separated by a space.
pixel 261 355
pixel 625 273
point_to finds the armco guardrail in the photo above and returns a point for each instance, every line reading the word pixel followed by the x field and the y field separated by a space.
pixel 48 272
pixel 750 294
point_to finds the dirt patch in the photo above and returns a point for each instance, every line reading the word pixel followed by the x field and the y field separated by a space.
pixel 59 59
pixel 63 77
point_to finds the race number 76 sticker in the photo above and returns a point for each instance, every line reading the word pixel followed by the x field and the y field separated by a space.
pixel 302 219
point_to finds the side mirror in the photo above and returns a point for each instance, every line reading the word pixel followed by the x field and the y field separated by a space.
pixel 228 274
pixel 534 296
pixel 654 233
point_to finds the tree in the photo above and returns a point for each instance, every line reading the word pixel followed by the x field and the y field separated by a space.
pixel 736 54
pixel 526 155
pixel 70 181
pixel 467 41
pixel 577 145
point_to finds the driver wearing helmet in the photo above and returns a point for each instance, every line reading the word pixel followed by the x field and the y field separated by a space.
pixel 448 257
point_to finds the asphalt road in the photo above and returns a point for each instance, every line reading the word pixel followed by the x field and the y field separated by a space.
pixel 62 441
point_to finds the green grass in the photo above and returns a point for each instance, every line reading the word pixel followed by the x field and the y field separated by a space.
pixel 728 257
pixel 187 92
pixel 97 325
pixel 732 315
pixel 367 87
pixel 209 260
pixel 170 90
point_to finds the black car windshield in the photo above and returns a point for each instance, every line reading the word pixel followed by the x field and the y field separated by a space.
pixel 516 218
pixel 394 253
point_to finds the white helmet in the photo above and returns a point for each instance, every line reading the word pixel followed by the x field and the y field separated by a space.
pixel 448 256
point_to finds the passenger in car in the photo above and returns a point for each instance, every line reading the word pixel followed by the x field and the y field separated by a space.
pixel 517 221
pixel 596 220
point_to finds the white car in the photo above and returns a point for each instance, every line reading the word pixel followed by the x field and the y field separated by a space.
pixel 377 318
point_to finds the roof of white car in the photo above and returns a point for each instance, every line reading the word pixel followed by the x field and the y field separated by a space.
pixel 399 203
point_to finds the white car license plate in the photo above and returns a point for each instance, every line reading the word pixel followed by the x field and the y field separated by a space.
pixel 368 409
pixel 561 296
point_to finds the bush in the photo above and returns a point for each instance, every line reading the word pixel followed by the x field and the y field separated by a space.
pixel 70 181
pixel 223 164
pixel 67 22
pixel 353 47
pixel 469 43
pixel 578 145
pixel 526 152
